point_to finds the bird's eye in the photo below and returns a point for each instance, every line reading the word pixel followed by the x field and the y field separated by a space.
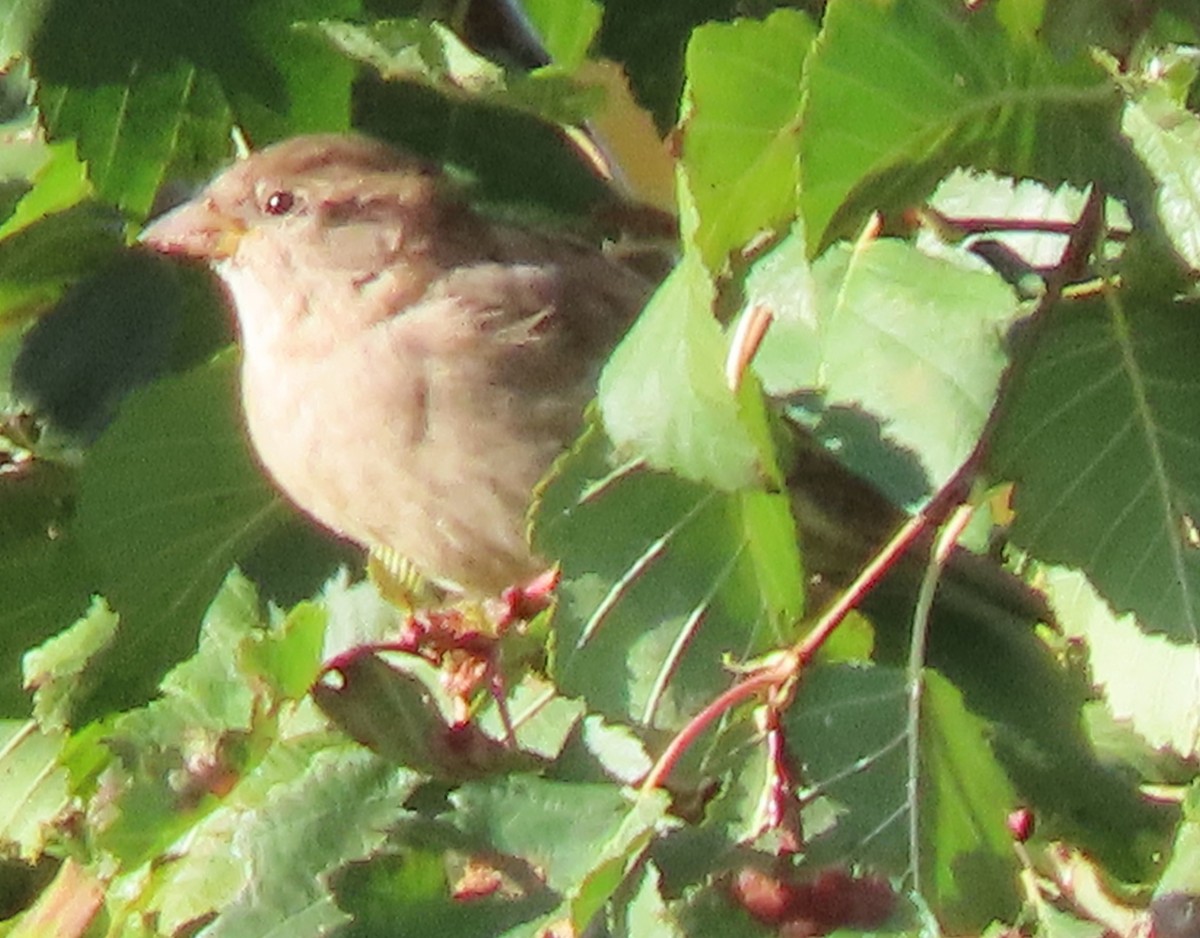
pixel 279 203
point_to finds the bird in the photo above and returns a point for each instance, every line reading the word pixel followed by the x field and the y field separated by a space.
pixel 409 368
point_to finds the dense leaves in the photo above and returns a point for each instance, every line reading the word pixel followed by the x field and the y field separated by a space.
pixel 971 232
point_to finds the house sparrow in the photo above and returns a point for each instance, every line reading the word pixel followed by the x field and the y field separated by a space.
pixel 409 369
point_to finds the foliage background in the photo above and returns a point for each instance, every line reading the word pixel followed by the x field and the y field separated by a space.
pixel 175 763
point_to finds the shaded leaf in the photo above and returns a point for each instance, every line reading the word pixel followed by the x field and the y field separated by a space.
pixel 400 712
pixel 849 729
pixel 169 497
pixel 45 578
pixel 112 332
pixel 1100 436
pixel 39 260
pixel 412 892
pixel 651 41
pixel 132 97
pixel 565 830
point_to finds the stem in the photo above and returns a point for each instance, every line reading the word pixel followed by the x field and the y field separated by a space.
pixel 1082 237
pixel 767 678
pixel 947 538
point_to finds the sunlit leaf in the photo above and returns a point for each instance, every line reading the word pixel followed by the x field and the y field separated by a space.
pixel 1166 136
pixel 741 118
pixel 1149 683
pixel 57 670
pixel 916 342
pixel 431 54
pixel 900 92
pixel 661 578
pixel 664 397
pixel 35 787
pixel 566 28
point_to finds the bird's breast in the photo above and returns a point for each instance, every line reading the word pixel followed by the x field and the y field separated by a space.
pixel 422 454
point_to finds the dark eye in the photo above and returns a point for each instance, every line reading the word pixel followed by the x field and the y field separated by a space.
pixel 279 203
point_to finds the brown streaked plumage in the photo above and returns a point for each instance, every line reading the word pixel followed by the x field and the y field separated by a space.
pixel 409 370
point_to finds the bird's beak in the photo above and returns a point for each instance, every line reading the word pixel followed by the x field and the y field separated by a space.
pixel 195 229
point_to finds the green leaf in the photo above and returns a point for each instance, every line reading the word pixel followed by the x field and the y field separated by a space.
pixel 398 709
pixel 1021 204
pixel 45 579
pixel 1182 873
pixel 211 685
pixel 430 54
pixel 39 260
pixel 646 914
pixel 190 739
pixel 848 727
pixel 35 787
pixel 617 857
pixel 709 912
pixel 59 183
pixel 1166 137
pixel 916 342
pixel 58 669
pixel 1099 435
pixel 567 830
pixel 566 27
pixel 741 117
pixel 334 812
pixel 901 92
pixel 289 657
pixel 661 579
pixel 120 130
pixel 617 749
pixel 396 703
pixel 111 332
pixel 131 97
pixel 19 21
pixel 1009 676
pixel 650 40
pixel 664 397
pixel 170 496
pixel 1148 682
